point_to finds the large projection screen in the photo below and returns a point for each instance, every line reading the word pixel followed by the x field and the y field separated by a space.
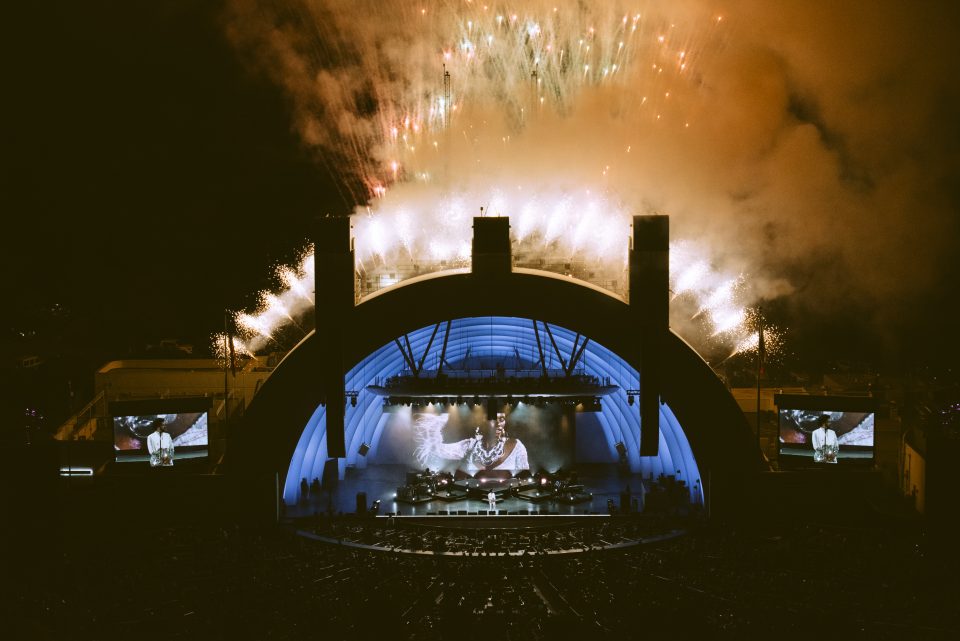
pixel 825 431
pixel 443 437
pixel 185 421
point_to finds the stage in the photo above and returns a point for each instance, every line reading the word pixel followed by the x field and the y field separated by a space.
pixel 601 483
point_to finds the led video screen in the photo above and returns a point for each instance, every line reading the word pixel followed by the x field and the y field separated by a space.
pixel 825 430
pixel 160 432
pixel 448 438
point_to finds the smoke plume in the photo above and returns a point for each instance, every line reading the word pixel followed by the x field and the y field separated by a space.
pixel 809 146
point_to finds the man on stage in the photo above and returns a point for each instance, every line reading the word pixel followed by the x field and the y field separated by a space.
pixel 825 444
pixel 160 446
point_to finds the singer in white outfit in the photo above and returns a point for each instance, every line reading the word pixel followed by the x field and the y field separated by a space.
pixel 825 444
pixel 160 446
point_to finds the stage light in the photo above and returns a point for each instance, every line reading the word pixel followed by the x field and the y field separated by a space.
pixel 364 448
pixel 630 399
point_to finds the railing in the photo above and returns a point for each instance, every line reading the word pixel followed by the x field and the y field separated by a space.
pixel 375 276
pixel 82 418
pixel 496 373
pixel 372 278
pixel 506 382
pixel 230 406
pixel 614 280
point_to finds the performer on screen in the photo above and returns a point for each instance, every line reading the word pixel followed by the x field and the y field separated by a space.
pixel 160 446
pixel 825 443
pixel 490 448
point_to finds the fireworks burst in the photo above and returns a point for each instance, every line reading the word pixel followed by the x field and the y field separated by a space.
pixel 550 113
pixel 749 343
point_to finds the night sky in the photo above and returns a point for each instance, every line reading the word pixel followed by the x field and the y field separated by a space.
pixel 152 177
pixel 152 181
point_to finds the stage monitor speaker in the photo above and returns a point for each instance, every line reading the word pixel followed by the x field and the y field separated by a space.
pixel 361 502
pixel 462 512
pixel 444 512
pixel 331 473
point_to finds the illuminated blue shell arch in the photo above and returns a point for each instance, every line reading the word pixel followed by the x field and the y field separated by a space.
pixel 703 436
pixel 499 338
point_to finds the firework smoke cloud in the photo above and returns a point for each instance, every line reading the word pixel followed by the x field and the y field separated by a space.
pixel 780 137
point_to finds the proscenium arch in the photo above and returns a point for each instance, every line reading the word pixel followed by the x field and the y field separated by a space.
pixel 722 443
pixel 497 338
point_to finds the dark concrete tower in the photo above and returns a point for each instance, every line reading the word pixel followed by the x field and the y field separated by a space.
pixel 491 247
pixel 650 310
pixel 335 298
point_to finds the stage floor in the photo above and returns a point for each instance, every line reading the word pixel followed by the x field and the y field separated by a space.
pixel 381 482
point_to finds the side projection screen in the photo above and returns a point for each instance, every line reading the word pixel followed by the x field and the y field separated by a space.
pixel 825 430
pixel 136 438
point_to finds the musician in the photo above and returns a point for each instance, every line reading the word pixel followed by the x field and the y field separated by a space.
pixel 826 447
pixel 492 500
pixel 160 445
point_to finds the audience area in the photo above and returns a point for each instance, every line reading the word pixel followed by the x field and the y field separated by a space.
pixel 537 537
pixel 788 581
